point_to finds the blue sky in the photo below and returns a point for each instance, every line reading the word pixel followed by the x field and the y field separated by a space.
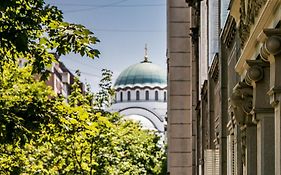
pixel 123 27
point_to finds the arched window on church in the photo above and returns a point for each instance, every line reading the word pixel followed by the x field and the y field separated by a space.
pixel 129 95
pixel 138 95
pixel 165 96
pixel 121 96
pixel 156 95
pixel 146 95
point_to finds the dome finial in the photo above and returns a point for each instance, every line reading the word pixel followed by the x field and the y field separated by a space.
pixel 145 54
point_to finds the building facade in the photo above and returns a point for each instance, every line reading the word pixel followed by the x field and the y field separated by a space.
pixel 60 77
pixel 234 128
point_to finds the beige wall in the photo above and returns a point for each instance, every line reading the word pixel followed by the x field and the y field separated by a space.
pixel 179 88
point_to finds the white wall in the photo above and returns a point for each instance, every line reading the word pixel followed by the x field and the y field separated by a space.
pixel 142 95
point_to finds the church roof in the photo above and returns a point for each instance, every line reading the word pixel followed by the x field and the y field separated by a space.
pixel 142 74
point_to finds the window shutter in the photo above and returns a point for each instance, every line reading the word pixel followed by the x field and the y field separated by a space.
pixel 211 157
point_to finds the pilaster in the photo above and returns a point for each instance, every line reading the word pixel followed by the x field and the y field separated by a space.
pixel 251 150
pixel 271 52
pixel 263 115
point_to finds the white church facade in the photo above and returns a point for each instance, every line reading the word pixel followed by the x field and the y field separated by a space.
pixel 141 95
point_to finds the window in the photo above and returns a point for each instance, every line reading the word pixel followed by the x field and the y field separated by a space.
pixel 146 95
pixel 138 95
pixel 129 95
pixel 165 96
pixel 121 96
pixel 156 95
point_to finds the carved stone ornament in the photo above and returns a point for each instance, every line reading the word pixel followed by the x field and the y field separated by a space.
pixel 272 45
pixel 249 10
pixel 255 73
pixel 241 103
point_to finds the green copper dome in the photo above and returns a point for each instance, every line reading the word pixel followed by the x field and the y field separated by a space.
pixel 141 74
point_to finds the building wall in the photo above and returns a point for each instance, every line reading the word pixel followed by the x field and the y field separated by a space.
pixel 179 53
pixel 237 120
pixel 152 110
pixel 237 105
pixel 61 79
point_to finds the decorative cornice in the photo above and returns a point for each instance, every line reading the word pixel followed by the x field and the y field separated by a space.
pixel 229 31
pixel 263 20
pixel 204 89
pixel 249 10
pixel 214 69
pixel 139 88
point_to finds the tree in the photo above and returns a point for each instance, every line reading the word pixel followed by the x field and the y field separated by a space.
pixel 30 29
pixel 39 132
pixel 103 98
pixel 77 139
pixel 25 103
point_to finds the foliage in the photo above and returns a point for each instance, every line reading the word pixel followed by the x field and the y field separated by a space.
pixel 68 138
pixel 41 133
pixel 103 98
pixel 30 29
pixel 25 103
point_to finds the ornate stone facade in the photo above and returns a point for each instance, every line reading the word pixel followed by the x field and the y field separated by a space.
pixel 249 10
pixel 238 112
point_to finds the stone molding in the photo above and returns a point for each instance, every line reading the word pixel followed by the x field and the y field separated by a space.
pixel 229 31
pixel 214 68
pixel 263 20
pixel 140 88
pixel 249 10
pixel 275 95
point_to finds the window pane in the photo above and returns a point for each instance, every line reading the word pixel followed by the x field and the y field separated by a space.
pixel 137 95
pixel 129 95
pixel 146 95
pixel 156 95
